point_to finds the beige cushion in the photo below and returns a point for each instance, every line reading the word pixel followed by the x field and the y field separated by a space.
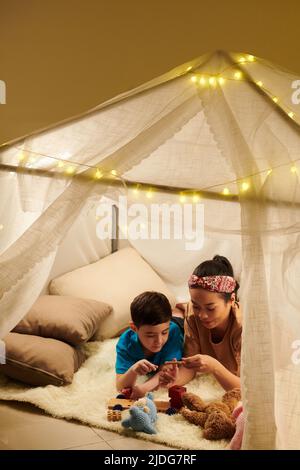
pixel 115 279
pixel 69 319
pixel 40 361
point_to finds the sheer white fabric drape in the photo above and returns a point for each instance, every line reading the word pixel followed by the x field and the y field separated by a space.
pixel 172 132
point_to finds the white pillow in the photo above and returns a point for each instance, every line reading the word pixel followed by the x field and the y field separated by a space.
pixel 116 280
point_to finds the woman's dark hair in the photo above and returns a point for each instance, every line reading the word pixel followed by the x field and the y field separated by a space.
pixel 218 266
pixel 150 308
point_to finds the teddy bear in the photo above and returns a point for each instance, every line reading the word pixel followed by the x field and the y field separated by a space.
pixel 215 417
pixel 143 415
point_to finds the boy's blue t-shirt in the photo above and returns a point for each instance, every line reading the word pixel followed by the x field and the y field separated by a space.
pixel 129 349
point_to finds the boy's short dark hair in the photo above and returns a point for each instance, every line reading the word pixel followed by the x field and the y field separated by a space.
pixel 150 308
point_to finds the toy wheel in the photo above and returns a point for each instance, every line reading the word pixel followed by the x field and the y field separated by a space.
pixel 171 411
pixel 118 407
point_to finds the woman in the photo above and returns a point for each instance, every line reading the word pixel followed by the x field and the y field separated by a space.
pixel 212 327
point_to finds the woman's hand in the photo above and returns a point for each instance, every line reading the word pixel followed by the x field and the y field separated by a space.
pixel 143 367
pixel 201 363
pixel 168 375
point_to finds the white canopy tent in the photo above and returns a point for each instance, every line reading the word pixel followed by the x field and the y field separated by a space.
pixel 222 127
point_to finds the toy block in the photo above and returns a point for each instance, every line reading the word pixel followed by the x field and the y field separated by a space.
pixel 175 394
pixel 114 415
pixel 126 392
pixel 176 389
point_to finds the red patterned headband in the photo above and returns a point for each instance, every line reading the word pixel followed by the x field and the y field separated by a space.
pixel 220 284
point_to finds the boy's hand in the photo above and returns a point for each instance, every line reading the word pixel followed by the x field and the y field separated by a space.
pixel 200 363
pixel 143 367
pixel 137 392
pixel 168 375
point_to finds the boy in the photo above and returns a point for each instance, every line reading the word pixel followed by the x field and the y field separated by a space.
pixel 151 340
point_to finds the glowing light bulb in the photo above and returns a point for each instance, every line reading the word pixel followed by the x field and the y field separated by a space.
pixel 212 81
pixel 189 68
pixel 135 190
pixel 195 198
pixel 259 83
pixel 251 58
pixel 269 172
pixel 149 194
pixel 70 170
pixel 238 75
pixel 21 157
pixel 294 169
pixel 98 174
pixel 194 78
pixel 242 60
pixel 114 173
pixel 275 99
pixel 245 186
pixel 202 81
pixel 291 114
pixel 221 80
pixel 226 192
pixel 182 198
pixel 60 164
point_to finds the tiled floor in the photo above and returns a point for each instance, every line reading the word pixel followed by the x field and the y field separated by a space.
pixel 24 427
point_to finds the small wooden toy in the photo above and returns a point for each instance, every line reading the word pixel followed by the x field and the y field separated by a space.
pixel 117 405
pixel 120 401
pixel 161 405
pixel 114 415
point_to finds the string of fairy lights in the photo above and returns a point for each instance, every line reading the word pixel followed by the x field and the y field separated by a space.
pixel 69 168
pixel 231 73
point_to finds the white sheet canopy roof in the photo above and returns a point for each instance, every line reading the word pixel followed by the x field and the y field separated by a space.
pixel 223 123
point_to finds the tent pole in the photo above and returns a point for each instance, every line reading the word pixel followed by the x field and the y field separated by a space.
pixel 115 229
pixel 204 194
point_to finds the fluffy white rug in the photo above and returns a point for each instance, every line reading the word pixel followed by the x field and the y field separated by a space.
pixel 94 384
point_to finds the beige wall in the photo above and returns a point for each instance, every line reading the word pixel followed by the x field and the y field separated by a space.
pixel 61 57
